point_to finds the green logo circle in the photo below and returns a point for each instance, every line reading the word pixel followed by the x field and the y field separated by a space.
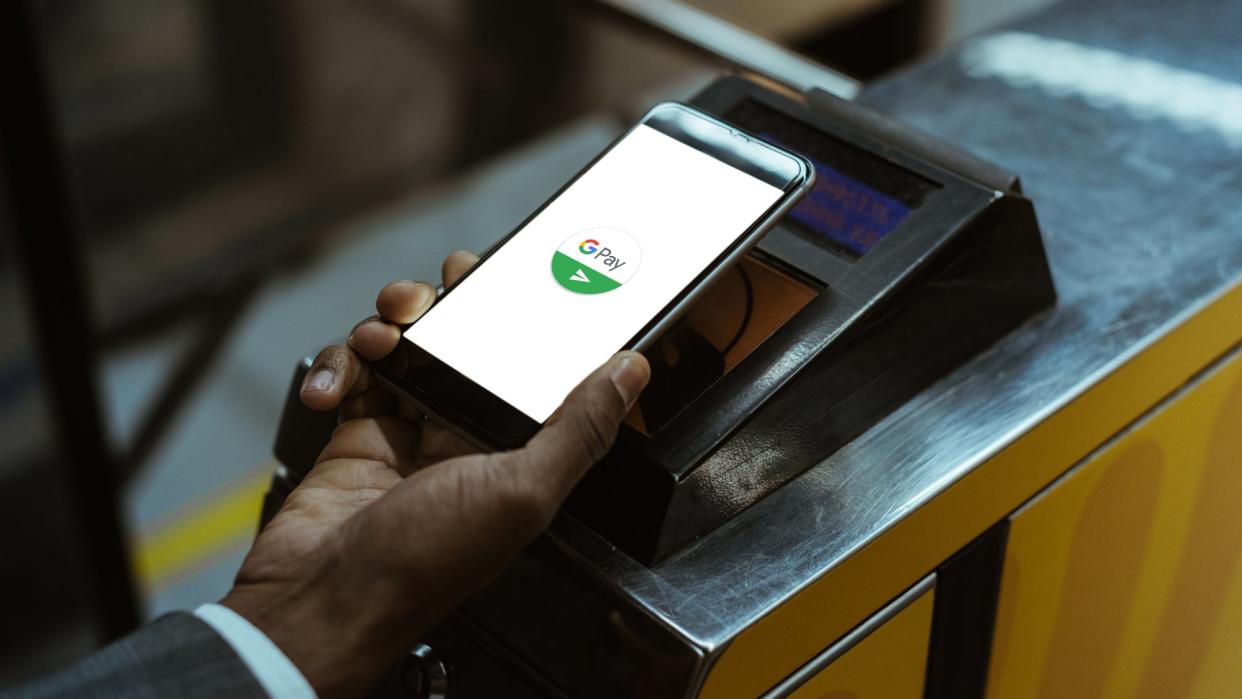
pixel 596 260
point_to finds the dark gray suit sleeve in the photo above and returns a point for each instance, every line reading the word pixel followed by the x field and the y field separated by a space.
pixel 177 655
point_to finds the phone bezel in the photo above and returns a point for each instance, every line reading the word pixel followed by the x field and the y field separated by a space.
pixel 490 422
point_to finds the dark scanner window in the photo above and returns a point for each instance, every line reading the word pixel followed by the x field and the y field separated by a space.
pixel 857 200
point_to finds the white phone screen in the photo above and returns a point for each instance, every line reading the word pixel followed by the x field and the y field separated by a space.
pixel 582 277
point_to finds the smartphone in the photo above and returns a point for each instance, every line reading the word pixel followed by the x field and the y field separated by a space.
pixel 608 263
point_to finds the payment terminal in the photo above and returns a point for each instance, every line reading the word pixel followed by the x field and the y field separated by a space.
pixel 908 257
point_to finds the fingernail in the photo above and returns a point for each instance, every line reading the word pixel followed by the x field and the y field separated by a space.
pixel 630 376
pixel 426 293
pixel 354 333
pixel 321 380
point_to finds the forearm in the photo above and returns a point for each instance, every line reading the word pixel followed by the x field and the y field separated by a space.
pixel 175 655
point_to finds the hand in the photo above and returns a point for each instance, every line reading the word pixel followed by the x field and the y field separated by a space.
pixel 382 539
pixel 339 376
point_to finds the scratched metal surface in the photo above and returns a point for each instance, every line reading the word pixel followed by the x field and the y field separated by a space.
pixel 1142 215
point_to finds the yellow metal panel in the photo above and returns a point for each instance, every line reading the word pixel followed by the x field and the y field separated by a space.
pixel 1125 578
pixel 786 638
pixel 888 664
pixel 1219 673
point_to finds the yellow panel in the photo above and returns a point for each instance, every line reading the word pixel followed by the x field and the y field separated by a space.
pixel 787 637
pixel 1218 675
pixel 1125 578
pixel 888 664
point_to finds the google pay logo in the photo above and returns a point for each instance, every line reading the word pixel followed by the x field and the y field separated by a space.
pixel 596 260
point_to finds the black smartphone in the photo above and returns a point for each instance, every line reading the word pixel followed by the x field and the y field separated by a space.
pixel 608 263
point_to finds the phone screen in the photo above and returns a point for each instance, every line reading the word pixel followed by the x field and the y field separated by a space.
pixel 592 269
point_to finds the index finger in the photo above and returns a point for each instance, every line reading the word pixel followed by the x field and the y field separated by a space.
pixel 398 303
pixel 340 372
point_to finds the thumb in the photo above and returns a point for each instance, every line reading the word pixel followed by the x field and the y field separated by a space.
pixel 582 430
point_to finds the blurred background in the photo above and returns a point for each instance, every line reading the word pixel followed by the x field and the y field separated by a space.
pixel 245 177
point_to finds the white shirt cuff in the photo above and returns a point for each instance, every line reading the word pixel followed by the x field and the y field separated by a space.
pixel 278 676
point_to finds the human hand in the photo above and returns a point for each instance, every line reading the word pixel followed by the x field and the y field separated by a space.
pixel 398 521
pixel 341 377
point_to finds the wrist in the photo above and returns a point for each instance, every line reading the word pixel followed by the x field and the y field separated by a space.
pixel 341 638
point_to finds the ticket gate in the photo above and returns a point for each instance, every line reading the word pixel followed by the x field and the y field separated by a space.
pixel 922 468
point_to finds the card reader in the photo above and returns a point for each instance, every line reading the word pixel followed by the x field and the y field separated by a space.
pixel 907 258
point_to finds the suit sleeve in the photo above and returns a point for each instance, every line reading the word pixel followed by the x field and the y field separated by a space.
pixel 176 655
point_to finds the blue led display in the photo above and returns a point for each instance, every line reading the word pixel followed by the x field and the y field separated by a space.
pixel 848 212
